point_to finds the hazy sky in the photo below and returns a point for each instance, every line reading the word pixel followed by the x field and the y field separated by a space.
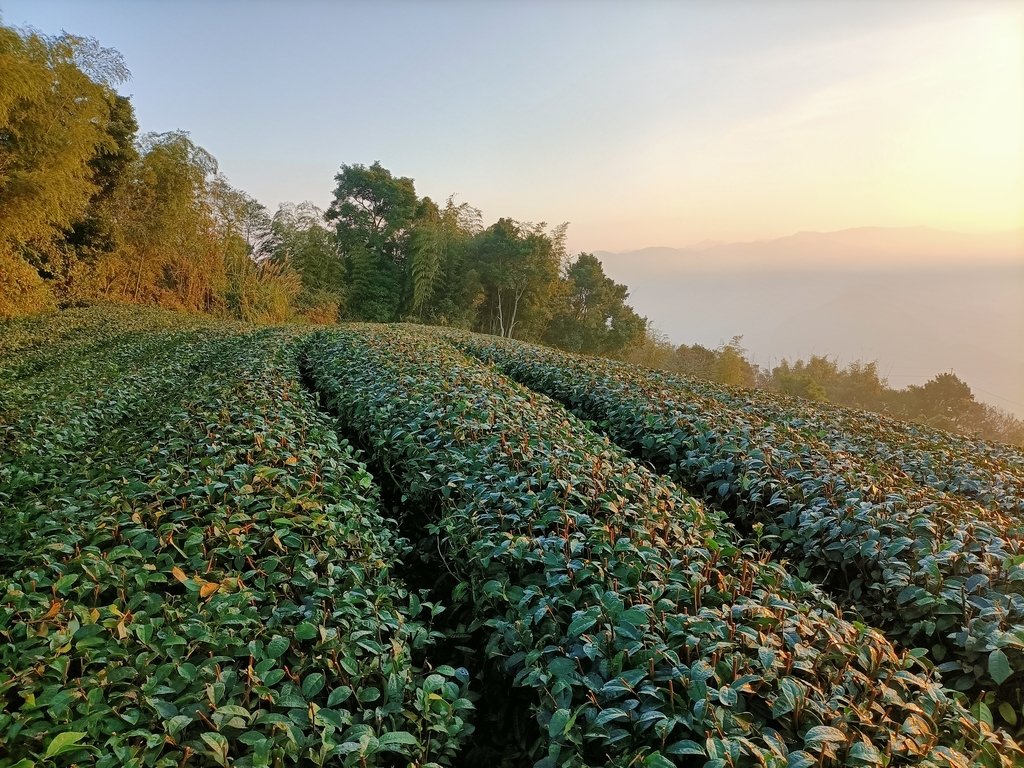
pixel 659 123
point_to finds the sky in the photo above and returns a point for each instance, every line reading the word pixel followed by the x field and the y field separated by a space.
pixel 640 123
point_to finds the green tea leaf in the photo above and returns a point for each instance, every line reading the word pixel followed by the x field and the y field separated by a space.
pixel 685 747
pixel 312 685
pixel 393 741
pixel 557 723
pixel 277 646
pixel 64 742
pixel 999 666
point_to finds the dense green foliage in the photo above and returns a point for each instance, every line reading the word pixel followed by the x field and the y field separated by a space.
pixel 196 568
pixel 928 549
pixel 407 258
pixel 641 631
pixel 944 401
pixel 193 567
pixel 299 238
pixel 594 316
pixel 53 120
pixel 91 210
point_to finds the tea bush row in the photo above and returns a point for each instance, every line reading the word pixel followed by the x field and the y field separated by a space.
pixel 640 632
pixel 932 569
pixel 210 580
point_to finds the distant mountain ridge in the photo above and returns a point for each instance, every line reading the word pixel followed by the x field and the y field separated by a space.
pixel 870 247
pixel 918 300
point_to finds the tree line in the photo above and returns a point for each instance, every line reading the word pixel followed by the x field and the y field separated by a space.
pixel 945 401
pixel 90 209
pixel 380 253
pixel 408 258
pixel 94 210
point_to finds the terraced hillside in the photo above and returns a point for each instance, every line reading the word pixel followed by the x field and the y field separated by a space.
pixel 390 545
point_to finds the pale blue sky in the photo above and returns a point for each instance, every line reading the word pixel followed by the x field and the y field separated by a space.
pixel 641 123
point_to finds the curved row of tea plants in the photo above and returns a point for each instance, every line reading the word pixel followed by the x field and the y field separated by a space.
pixel 209 582
pixel 930 569
pixel 96 355
pixel 65 413
pixel 641 632
pixel 989 473
pixel 32 345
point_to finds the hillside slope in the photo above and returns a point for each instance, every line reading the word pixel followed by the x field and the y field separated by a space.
pixel 360 546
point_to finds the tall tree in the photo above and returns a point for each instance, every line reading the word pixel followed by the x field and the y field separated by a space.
pixel 373 212
pixel 797 379
pixel 944 400
pixel 426 256
pixel 258 288
pixel 303 240
pixel 238 215
pixel 53 119
pixel 732 366
pixel 66 261
pixel 519 266
pixel 859 385
pixel 694 360
pixel 591 314
pixel 165 216
pixel 56 105
pixel 444 288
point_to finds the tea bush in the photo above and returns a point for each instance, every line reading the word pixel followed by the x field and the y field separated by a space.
pixel 206 577
pixel 930 568
pixel 641 631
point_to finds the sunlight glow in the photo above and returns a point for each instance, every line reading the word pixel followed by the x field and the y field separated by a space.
pixel 929 131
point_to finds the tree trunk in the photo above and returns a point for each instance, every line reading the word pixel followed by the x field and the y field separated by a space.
pixel 501 317
pixel 138 279
pixel 515 310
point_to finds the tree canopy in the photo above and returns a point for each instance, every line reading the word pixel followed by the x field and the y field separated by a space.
pixel 91 209
pixel 407 258
pixel 593 315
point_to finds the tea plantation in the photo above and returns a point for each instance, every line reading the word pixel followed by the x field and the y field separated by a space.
pixel 374 545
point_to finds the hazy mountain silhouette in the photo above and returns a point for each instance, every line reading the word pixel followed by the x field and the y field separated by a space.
pixel 918 300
